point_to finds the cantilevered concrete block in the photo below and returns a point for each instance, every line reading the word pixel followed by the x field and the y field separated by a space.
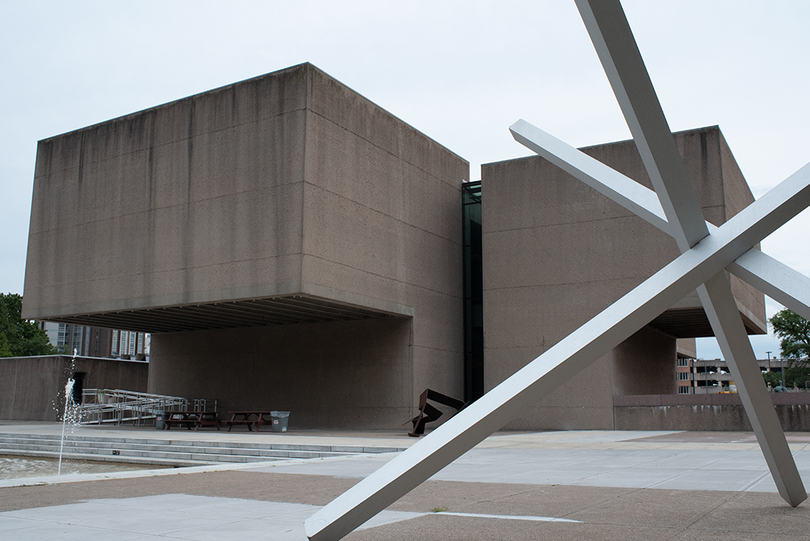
pixel 284 184
pixel 284 199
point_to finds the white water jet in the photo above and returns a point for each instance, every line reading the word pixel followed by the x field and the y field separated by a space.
pixel 68 408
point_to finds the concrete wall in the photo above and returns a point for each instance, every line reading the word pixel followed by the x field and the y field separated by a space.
pixel 287 184
pixel 687 347
pixel 32 388
pixel 557 252
pixel 132 213
pixel 347 374
pixel 382 224
pixel 645 363
pixel 705 412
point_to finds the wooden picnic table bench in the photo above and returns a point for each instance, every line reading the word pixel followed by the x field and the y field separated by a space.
pixel 247 418
pixel 192 418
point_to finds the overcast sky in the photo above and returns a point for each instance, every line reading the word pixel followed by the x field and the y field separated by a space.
pixel 459 71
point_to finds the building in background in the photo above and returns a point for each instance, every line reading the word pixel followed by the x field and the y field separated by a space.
pixel 290 245
pixel 712 376
pixel 130 345
pixel 90 341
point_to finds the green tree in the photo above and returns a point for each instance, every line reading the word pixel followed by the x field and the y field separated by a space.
pixel 18 337
pixel 794 376
pixel 794 332
pixel 5 348
pixel 774 379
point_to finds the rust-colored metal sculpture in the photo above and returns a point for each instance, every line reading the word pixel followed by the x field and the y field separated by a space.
pixel 429 413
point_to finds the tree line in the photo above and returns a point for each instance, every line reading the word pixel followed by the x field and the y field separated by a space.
pixel 19 337
pixel 793 332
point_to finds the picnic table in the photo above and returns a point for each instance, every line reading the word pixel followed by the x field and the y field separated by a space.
pixel 253 419
pixel 192 418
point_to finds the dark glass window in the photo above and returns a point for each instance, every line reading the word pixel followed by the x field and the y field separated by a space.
pixel 473 292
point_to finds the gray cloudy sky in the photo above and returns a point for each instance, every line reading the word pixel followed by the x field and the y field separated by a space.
pixel 459 71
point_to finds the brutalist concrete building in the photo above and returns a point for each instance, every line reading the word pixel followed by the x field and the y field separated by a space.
pixel 556 253
pixel 292 246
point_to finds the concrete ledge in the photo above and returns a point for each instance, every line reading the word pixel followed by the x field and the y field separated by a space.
pixel 703 399
pixel 722 412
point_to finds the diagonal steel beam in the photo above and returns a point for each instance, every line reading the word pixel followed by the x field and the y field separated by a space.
pixel 777 280
pixel 561 362
pixel 625 191
pixel 718 302
pixel 622 62
pixel 618 52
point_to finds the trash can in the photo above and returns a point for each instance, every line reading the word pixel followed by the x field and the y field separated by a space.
pixel 160 420
pixel 280 419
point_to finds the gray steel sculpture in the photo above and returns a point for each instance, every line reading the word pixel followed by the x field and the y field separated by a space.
pixel 706 251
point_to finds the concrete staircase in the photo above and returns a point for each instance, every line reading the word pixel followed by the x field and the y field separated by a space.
pixel 170 452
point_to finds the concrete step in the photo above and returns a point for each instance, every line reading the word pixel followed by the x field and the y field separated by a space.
pixel 110 458
pixel 123 453
pixel 107 448
pixel 112 441
pixel 171 452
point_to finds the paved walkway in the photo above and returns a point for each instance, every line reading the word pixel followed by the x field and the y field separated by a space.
pixel 553 485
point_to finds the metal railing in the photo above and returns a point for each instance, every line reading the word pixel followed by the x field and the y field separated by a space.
pixel 117 406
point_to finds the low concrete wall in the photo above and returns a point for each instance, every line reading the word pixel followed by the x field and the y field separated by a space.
pixel 722 412
pixel 32 387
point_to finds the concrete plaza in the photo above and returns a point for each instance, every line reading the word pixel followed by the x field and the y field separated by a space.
pixel 551 485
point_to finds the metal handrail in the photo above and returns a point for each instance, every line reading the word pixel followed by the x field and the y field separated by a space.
pixel 102 406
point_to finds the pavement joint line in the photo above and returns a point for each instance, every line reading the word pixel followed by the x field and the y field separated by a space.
pixel 719 503
pixel 753 483
pixel 601 501
pixel 509 517
pixel 660 482
pixel 510 495
pixel 709 465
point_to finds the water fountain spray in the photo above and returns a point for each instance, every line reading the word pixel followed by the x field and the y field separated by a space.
pixel 68 407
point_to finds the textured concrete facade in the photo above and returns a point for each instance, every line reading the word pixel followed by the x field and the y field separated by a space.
pixel 135 209
pixel 317 233
pixel 556 253
pixel 337 374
